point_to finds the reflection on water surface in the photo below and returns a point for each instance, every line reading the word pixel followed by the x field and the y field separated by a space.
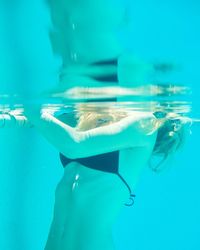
pixel 148 98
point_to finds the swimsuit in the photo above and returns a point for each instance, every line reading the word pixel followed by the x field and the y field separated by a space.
pixel 107 162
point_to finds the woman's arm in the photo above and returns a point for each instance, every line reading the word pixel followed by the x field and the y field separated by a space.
pixel 76 144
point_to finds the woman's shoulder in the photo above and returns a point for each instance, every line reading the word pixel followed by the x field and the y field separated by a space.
pixel 143 122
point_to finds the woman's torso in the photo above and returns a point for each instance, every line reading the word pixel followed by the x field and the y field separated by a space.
pixel 131 161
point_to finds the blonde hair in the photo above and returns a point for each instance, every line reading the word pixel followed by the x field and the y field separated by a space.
pixel 170 128
pixel 170 137
pixel 92 116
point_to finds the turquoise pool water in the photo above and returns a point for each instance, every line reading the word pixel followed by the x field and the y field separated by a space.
pixel 166 211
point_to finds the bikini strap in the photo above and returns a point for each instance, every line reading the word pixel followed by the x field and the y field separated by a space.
pixel 132 195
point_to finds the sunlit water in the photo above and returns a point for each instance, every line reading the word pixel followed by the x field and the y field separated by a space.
pixel 148 98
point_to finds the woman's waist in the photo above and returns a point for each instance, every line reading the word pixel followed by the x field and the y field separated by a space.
pixel 76 166
pixel 75 171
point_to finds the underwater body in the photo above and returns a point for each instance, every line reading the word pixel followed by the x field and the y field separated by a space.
pixel 165 212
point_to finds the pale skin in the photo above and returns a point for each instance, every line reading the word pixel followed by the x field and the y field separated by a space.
pixel 88 201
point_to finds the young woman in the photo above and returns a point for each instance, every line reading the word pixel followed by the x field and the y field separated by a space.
pixel 103 157
pixel 103 152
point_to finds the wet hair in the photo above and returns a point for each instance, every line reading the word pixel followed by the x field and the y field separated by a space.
pixel 170 138
pixel 91 116
pixel 171 130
